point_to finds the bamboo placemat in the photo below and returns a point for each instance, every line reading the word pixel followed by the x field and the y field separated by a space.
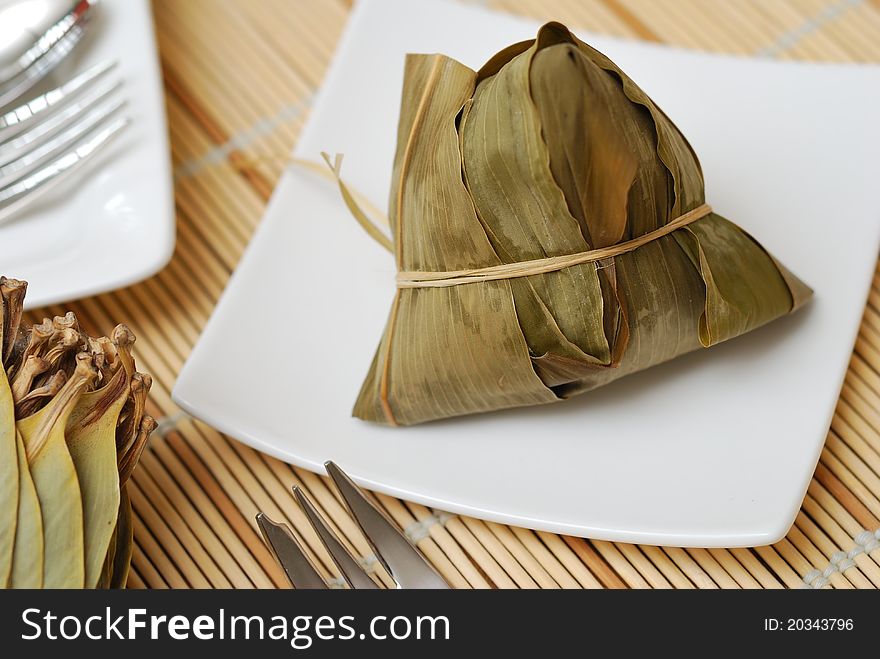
pixel 239 78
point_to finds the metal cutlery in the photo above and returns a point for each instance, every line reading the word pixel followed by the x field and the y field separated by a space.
pixel 405 564
pixel 47 139
pixel 35 36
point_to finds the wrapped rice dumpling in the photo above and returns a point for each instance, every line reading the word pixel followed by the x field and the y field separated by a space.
pixel 551 235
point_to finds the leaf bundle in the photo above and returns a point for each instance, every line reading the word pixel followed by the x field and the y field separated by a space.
pixel 72 426
pixel 548 151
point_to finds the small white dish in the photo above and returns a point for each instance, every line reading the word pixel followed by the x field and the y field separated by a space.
pixel 713 449
pixel 113 224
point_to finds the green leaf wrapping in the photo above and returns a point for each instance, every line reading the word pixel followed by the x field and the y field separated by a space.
pixel 550 150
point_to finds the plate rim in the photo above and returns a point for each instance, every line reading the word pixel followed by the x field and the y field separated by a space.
pixel 759 537
pixel 186 393
pixel 165 242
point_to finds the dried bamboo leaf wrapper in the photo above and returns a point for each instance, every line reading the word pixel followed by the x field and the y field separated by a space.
pixel 437 334
pixel 551 150
pixel 602 187
pixel 664 313
pixel 738 299
pixel 767 296
pixel 505 164
pixel 605 182
pixel 674 151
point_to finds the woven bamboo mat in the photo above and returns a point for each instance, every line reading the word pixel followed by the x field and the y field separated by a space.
pixel 239 78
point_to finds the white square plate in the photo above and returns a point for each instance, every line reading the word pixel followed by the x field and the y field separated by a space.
pixel 112 225
pixel 713 449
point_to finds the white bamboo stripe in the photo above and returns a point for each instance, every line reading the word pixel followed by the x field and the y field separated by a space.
pixel 829 549
pixel 167 423
pixel 243 140
pixel 817 515
pixel 864 543
pixel 790 39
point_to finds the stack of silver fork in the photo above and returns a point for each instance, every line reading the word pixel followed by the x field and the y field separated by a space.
pixel 405 564
pixel 47 138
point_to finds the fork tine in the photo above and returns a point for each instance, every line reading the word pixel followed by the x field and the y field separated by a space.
pixel 19 119
pixel 290 555
pixel 77 11
pixel 351 571
pixel 46 54
pixel 16 167
pixel 19 86
pixel 404 562
pixel 14 198
pixel 55 122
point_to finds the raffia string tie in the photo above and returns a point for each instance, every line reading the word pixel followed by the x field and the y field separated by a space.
pixel 540 266
pixel 427 279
